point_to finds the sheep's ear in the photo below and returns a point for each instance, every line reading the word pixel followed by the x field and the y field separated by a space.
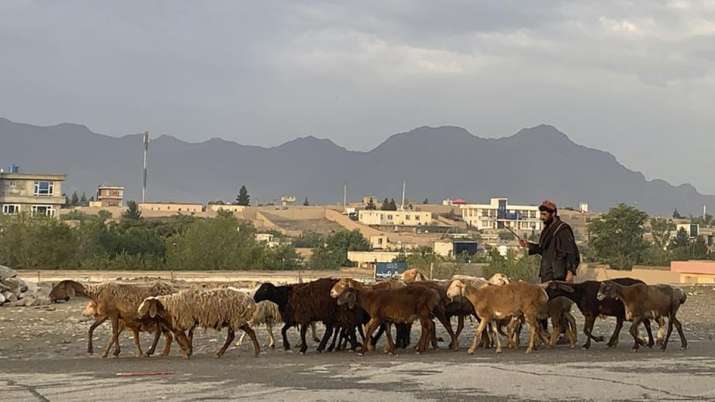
pixel 152 308
pixel 351 300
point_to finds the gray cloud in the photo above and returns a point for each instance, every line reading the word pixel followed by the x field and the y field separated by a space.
pixel 634 78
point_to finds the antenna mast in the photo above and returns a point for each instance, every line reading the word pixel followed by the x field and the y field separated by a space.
pixel 146 151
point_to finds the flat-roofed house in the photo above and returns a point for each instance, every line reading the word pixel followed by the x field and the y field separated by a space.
pixel 110 196
pixel 32 193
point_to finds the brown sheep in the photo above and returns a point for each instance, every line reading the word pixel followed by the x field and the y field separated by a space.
pixel 92 310
pixel 492 303
pixel 390 306
pixel 115 300
pixel 643 302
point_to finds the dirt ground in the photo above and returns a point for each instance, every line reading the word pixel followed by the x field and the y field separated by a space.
pixel 43 358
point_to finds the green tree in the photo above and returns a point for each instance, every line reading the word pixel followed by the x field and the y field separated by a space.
pixel 243 198
pixel 74 201
pixel 370 204
pixel 515 265
pixel 393 205
pixel 617 236
pixel 132 212
pixel 680 246
pixel 676 214
pixel 306 203
pixel 333 253
pixel 83 200
pixel 385 205
pixel 426 201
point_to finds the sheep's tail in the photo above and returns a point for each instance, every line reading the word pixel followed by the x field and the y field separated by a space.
pixel 683 297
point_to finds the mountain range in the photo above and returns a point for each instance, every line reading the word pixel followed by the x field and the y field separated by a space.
pixel 437 162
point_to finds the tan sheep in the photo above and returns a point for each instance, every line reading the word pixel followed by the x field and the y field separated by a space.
pixel 211 308
pixel 492 303
pixel 267 313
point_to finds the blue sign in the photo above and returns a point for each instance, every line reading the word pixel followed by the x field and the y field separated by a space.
pixel 387 270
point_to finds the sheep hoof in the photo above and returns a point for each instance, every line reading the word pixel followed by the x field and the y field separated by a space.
pixel 586 346
pixel 498 350
pixel 598 338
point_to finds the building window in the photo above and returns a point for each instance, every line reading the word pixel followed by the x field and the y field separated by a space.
pixel 407 217
pixel 417 217
pixel 10 209
pixel 389 217
pixel 44 188
pixel 43 210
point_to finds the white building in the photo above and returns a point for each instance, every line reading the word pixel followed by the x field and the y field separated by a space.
pixel 499 214
pixel 399 218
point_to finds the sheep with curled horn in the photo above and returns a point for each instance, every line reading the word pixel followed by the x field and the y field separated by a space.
pixel 211 308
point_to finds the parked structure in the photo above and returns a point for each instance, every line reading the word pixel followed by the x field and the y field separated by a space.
pixel 109 196
pixel 499 214
pixel 398 218
pixel 368 259
pixel 33 193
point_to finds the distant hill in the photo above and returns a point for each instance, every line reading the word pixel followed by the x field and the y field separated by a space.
pixel 437 162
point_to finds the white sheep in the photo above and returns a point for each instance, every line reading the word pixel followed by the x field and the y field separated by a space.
pixel 212 308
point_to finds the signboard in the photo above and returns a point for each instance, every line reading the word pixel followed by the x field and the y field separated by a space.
pixel 387 270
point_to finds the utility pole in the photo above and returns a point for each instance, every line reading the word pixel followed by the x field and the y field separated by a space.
pixel 146 151
pixel 345 195
pixel 402 204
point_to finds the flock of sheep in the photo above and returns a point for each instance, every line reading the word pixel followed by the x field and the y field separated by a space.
pixel 347 307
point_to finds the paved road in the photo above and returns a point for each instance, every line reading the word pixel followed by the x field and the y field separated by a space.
pixel 598 374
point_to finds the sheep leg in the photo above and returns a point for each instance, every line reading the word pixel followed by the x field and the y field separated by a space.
pixel 229 338
pixel 441 316
pixel 478 335
pixel 361 332
pixel 667 335
pixel 571 330
pixel 427 327
pixel 616 332
pixel 390 345
pixel 303 344
pixel 495 330
pixel 679 327
pixel 460 326
pixel 380 331
pixel 634 333
pixel 271 339
pixel 284 334
pixel 313 330
pixel 240 339
pixel 587 328
pixel 326 337
pixel 167 343
pixel 555 330
pixel 338 333
pixel 661 331
pixel 157 335
pixel 115 335
pixel 369 344
pixel 95 324
pixel 137 343
pixel 534 328
pixel 433 337
pixel 646 324
pixel 252 334
pixel 184 343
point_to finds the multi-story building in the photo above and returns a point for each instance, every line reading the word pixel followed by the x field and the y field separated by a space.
pixel 499 214
pixel 33 193
pixel 398 218
pixel 110 196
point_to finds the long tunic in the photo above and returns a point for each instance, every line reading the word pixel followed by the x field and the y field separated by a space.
pixel 558 251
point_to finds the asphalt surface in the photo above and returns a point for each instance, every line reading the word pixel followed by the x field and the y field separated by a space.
pixel 43 358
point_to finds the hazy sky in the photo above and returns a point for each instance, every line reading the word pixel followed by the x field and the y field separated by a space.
pixel 635 78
